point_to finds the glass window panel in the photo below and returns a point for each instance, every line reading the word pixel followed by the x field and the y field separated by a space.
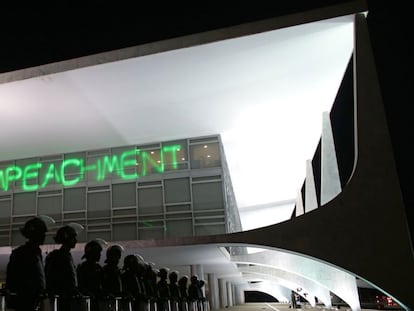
pixel 3 168
pixel 74 217
pixel 178 208
pixel 179 228
pixel 210 229
pixel 74 199
pixel 49 173
pixel 177 190
pixel 92 169
pixel 150 233
pixel 72 171
pixel 208 196
pixel 124 167
pixel 175 155
pixel 205 221
pixel 149 161
pixel 124 195
pixel 5 211
pixel 24 203
pixel 181 215
pixel 30 181
pixel 129 212
pixel 150 201
pixel 205 155
pixel 122 232
pixel 99 204
pixel 51 206
pixel 4 241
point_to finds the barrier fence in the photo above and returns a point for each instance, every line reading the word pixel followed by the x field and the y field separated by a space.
pixel 84 303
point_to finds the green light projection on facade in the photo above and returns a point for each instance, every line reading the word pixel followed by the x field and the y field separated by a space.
pixel 130 164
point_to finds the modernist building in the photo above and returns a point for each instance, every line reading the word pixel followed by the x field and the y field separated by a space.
pixel 352 221
pixel 156 191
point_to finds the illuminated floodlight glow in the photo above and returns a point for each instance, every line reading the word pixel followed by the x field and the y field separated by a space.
pixel 123 165
pixel 264 93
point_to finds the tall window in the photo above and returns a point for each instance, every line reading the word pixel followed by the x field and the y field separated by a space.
pixel 205 155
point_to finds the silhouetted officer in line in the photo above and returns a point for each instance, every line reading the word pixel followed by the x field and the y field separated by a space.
pixel 163 290
pixel 131 284
pixel 174 290
pixel 150 281
pixel 195 292
pixel 25 272
pixel 90 273
pixel 183 287
pixel 111 283
pixel 141 274
pixel 61 279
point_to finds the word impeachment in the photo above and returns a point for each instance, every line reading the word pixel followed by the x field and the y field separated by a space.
pixel 130 164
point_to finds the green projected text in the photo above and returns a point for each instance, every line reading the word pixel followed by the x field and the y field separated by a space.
pixel 130 164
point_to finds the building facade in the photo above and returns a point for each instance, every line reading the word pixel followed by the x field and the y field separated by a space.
pixel 154 191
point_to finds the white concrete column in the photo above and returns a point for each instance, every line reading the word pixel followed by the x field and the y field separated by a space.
pixel 229 294
pixel 213 291
pixel 311 201
pixel 197 270
pixel 299 203
pixel 239 294
pixel 330 181
pixel 223 293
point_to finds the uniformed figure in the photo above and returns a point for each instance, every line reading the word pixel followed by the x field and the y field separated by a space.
pixel 111 283
pixel 293 300
pixel 61 279
pixel 25 281
pixel 131 284
pixel 144 297
pixel 183 287
pixel 150 281
pixel 163 290
pixel 90 273
pixel 195 292
pixel 174 290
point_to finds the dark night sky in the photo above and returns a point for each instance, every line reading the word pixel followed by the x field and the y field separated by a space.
pixel 40 35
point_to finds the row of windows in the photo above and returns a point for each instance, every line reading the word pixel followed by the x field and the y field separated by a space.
pixel 125 211
pixel 129 162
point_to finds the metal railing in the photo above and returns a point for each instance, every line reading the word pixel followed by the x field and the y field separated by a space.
pixel 85 303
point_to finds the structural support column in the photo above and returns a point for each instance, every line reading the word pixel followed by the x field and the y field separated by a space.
pixel 311 201
pixel 213 291
pixel 223 293
pixel 330 181
pixel 229 294
pixel 239 294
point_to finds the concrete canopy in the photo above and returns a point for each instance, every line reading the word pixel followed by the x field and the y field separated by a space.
pixel 215 87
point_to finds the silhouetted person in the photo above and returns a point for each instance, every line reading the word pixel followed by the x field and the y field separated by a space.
pixel 174 290
pixel 111 283
pixel 150 281
pixel 195 292
pixel 131 284
pixel 60 269
pixel 293 299
pixel 183 287
pixel 90 273
pixel 163 290
pixel 25 272
pixel 144 297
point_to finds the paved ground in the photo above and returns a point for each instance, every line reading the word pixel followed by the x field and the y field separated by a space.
pixel 280 307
